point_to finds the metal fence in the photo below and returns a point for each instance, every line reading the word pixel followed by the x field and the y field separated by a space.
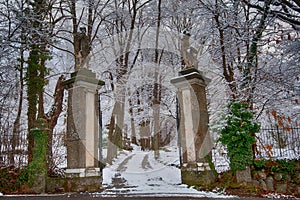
pixel 272 143
pixel 13 150
pixel 278 143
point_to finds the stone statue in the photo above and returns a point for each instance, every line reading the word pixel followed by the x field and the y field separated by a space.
pixel 83 54
pixel 189 54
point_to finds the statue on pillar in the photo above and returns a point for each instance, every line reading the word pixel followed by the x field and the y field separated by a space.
pixel 84 49
pixel 188 53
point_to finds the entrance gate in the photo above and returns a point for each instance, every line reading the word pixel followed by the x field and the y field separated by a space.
pixel 83 141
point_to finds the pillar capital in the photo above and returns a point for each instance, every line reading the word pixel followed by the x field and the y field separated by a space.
pixel 189 77
pixel 82 77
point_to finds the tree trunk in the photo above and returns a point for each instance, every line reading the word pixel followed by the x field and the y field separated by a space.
pixel 228 72
pixel 31 97
pixel 36 67
pixel 110 146
pixel 52 117
pixel 16 126
pixel 120 123
pixel 132 125
pixel 156 96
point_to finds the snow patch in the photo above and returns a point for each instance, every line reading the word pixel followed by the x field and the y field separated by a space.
pixel 138 173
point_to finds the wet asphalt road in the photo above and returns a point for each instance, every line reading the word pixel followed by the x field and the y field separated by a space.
pixel 108 197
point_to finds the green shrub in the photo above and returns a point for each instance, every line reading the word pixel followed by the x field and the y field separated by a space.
pixel 238 135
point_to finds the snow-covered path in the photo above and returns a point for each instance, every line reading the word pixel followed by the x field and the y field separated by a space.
pixel 138 173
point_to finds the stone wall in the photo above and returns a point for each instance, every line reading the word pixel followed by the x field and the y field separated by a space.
pixel 276 178
pixel 277 182
pixel 79 184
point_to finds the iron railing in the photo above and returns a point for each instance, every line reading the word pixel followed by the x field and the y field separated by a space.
pixel 276 142
pixel 272 143
pixel 13 150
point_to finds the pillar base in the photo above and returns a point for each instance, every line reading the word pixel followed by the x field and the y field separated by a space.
pixel 74 184
pixel 76 180
pixel 82 172
pixel 197 174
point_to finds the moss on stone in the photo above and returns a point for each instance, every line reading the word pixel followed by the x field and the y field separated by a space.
pixel 198 178
pixel 37 169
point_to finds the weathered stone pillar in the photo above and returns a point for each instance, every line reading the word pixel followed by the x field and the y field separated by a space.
pixel 195 139
pixel 82 124
pixel 37 169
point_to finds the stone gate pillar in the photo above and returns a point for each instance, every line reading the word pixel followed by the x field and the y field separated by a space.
pixel 82 140
pixel 195 139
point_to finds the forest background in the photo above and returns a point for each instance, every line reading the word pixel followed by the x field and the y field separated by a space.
pixel 249 50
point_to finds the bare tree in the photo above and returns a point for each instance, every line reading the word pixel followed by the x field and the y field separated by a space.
pixel 123 12
pixel 285 10
pixel 12 75
pixel 29 31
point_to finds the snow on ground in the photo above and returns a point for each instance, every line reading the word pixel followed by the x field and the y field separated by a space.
pixel 138 173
